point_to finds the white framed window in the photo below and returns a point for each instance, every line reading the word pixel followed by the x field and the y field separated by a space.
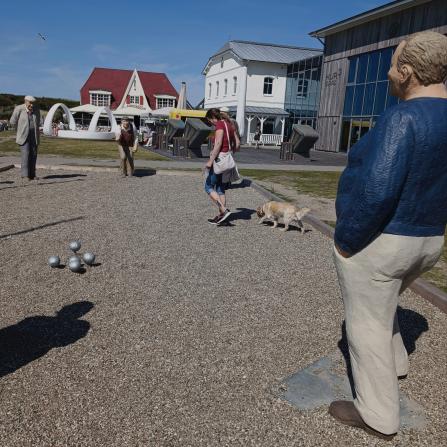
pixel 268 86
pixel 165 102
pixel 217 89
pixel 100 99
pixel 225 87
pixel 302 87
pixel 134 100
pixel 209 90
pixel 234 85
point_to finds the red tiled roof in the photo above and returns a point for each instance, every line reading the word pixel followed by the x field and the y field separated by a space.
pixel 116 81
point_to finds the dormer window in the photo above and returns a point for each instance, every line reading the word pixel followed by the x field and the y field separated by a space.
pixel 165 101
pixel 100 98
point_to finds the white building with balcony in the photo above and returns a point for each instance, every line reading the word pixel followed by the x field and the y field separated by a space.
pixel 250 79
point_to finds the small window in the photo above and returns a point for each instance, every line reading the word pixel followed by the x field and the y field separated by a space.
pixel 225 87
pixel 302 87
pixel 268 86
pixel 165 102
pixel 209 90
pixel 217 89
pixel 99 99
pixel 135 100
pixel 221 62
pixel 234 85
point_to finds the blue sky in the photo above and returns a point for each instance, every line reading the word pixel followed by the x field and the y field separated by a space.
pixel 175 37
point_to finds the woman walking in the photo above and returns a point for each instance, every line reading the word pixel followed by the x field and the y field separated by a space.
pixel 225 141
pixel 127 145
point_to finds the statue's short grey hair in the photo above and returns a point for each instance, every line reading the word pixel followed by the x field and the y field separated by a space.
pixel 426 53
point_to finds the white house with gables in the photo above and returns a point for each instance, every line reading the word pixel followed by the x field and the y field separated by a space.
pixel 250 79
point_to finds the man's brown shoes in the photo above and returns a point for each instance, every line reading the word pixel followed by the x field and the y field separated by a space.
pixel 345 412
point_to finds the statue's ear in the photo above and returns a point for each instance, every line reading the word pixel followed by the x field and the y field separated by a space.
pixel 406 71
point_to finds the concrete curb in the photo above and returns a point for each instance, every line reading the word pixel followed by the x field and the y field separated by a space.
pixel 423 288
pixel 6 168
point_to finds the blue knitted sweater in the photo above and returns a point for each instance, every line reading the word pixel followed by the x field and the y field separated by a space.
pixel 396 178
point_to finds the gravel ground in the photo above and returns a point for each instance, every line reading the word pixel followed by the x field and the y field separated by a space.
pixel 180 347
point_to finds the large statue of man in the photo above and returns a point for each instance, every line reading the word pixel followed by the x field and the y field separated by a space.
pixel 391 218
pixel 27 119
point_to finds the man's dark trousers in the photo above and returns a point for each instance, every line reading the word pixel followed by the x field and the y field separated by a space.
pixel 29 156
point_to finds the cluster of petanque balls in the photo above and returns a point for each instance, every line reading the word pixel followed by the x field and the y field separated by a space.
pixel 74 262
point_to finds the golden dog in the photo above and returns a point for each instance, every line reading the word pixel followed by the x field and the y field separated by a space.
pixel 285 211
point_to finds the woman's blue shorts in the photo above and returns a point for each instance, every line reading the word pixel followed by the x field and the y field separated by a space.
pixel 213 182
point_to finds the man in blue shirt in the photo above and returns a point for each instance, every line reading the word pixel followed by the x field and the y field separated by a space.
pixel 391 217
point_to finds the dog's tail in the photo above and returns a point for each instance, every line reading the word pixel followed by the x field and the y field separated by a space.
pixel 301 213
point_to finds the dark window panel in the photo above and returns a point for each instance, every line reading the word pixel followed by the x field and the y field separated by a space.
pixel 352 70
pixel 358 99
pixel 379 104
pixel 373 66
pixel 368 101
pixel 385 63
pixel 349 96
pixel 361 69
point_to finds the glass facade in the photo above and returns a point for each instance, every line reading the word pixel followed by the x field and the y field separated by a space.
pixel 366 96
pixel 303 92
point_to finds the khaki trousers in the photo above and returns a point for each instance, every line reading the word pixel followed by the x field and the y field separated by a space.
pixel 126 160
pixel 371 282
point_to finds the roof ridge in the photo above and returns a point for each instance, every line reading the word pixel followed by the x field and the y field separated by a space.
pixel 274 45
pixel 130 70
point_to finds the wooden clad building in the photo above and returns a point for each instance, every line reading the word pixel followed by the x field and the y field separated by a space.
pixel 357 55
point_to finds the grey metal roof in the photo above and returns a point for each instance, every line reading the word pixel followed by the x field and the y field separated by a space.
pixel 364 17
pixel 267 52
pixel 272 111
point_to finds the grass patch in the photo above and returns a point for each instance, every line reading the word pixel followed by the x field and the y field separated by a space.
pixel 80 149
pixel 314 183
pixel 7 133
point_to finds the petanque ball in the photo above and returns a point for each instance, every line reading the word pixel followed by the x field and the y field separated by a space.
pixel 54 261
pixel 75 245
pixel 89 258
pixel 74 258
pixel 75 265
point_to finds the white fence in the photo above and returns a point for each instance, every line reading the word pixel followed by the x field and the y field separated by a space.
pixel 270 139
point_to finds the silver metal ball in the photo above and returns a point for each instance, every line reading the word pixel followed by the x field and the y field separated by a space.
pixel 74 258
pixel 54 261
pixel 89 258
pixel 75 246
pixel 75 265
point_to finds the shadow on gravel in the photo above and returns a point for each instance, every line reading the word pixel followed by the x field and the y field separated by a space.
pixel 292 227
pixel 64 176
pixel 412 325
pixel 241 214
pixel 245 183
pixel 42 184
pixel 144 172
pixel 6 182
pixel 40 227
pixel 35 336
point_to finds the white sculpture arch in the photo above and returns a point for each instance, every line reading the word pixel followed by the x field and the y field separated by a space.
pixel 73 132
pixel 47 125
pixel 94 121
